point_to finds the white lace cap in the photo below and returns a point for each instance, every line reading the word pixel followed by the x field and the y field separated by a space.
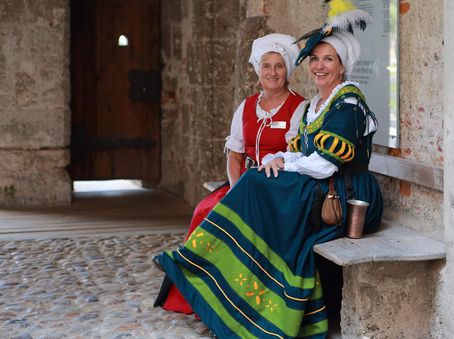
pixel 275 42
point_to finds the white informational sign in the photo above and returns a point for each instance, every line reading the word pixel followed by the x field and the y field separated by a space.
pixel 377 69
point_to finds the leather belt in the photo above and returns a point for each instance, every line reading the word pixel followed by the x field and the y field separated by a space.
pixel 347 171
pixel 353 168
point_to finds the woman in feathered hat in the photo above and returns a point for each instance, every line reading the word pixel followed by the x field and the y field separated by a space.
pixel 249 270
pixel 265 122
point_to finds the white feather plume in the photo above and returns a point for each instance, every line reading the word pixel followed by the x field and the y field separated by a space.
pixel 351 18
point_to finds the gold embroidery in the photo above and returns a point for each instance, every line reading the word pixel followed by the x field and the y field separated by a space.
pixel 271 306
pixel 196 238
pixel 256 293
pixel 240 279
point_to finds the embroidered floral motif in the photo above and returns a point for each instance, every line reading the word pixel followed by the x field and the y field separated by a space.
pixel 196 239
pixel 210 247
pixel 257 292
pixel 270 306
pixel 241 280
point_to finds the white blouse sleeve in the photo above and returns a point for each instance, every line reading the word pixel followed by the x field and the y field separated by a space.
pixel 235 140
pixel 295 121
pixel 313 165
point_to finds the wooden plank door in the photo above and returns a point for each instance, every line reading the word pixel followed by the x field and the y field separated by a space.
pixel 115 96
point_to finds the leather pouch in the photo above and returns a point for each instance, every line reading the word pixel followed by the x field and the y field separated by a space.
pixel 332 209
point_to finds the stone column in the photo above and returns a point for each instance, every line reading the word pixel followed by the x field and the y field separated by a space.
pixel 34 103
pixel 447 294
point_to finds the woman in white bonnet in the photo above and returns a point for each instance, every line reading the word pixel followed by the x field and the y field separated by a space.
pixel 263 123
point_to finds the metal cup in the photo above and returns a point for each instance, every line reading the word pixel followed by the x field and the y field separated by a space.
pixel 356 216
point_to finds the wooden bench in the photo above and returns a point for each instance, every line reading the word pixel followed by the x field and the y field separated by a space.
pixel 390 243
pixel 212 185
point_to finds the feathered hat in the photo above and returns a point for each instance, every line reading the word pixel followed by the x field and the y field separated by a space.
pixel 342 17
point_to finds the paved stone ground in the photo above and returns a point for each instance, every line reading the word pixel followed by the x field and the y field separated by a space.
pixel 87 287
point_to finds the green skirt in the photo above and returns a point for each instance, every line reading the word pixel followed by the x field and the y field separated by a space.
pixel 248 270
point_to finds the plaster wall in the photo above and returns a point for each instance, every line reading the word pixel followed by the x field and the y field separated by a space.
pixel 421 116
pixel 34 102
pixel 446 296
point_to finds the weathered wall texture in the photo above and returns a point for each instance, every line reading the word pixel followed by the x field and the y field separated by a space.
pixel 205 76
pixel 34 102
pixel 401 306
pixel 421 115
pixel 446 295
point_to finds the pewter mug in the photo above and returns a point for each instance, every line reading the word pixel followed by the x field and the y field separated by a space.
pixel 356 215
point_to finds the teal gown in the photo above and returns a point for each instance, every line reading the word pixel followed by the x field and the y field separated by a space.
pixel 248 269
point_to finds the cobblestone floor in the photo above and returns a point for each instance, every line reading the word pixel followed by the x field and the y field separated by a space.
pixel 87 287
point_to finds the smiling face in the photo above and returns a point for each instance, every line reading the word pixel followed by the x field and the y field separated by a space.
pixel 272 72
pixel 325 67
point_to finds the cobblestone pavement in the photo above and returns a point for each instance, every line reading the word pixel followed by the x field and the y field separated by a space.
pixel 87 287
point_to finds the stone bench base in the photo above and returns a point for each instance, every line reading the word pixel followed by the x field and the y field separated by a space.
pixel 389 282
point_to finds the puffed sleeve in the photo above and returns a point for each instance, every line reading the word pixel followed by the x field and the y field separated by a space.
pixel 235 140
pixel 342 127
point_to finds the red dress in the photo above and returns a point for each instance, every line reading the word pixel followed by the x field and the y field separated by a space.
pixel 272 141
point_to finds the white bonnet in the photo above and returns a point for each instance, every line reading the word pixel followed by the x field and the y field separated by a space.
pixel 275 42
pixel 346 46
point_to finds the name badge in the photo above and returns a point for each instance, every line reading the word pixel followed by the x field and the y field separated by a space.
pixel 279 124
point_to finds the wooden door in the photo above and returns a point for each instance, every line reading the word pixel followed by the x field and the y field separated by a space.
pixel 115 99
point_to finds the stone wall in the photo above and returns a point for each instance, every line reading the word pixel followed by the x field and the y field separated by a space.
pixel 421 100
pixel 34 102
pixel 445 314
pixel 421 115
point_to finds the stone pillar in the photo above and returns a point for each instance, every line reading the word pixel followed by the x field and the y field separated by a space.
pixel 34 102
pixel 447 294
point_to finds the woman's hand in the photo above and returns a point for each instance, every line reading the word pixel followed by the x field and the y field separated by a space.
pixel 275 165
